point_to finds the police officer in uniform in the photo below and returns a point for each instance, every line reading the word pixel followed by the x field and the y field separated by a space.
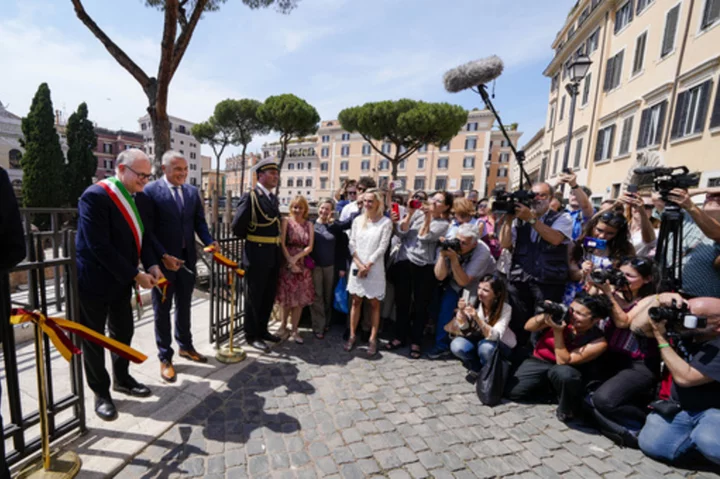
pixel 257 220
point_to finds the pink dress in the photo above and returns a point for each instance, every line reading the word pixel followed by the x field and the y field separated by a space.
pixel 296 289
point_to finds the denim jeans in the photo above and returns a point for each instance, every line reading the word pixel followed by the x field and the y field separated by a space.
pixel 476 355
pixel 448 303
pixel 670 440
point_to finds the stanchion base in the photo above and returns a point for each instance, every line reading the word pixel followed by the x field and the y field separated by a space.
pixel 224 355
pixel 63 465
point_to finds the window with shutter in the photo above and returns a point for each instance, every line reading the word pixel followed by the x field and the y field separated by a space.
pixel 639 53
pixel 626 133
pixel 671 22
pixel 607 86
pixel 555 161
pixel 562 108
pixel 578 153
pixel 691 110
pixel 711 14
pixel 586 89
pixel 617 69
pixel 604 147
pixel 715 118
pixel 644 128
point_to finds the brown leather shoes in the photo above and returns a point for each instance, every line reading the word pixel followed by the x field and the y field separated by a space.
pixel 167 371
pixel 192 355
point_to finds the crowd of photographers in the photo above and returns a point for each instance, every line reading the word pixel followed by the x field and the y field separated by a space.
pixel 573 297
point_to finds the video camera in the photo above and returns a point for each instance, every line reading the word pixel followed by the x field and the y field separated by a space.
pixel 558 312
pixel 506 203
pixel 677 316
pixel 614 276
pixel 665 179
pixel 453 244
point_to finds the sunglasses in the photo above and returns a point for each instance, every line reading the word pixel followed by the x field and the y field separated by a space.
pixel 352 192
pixel 419 197
pixel 613 219
pixel 361 189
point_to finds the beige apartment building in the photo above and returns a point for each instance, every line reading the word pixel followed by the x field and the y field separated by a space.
pixel 651 93
pixel 536 159
pixel 500 160
pixel 233 172
pixel 316 167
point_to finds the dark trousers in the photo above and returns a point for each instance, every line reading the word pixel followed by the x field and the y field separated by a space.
pixel 260 288
pixel 414 286
pixel 538 379
pixel 181 289
pixel 117 314
pixel 624 397
pixel 5 328
pixel 524 296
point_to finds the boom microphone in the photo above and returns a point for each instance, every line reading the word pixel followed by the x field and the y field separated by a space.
pixel 645 170
pixel 472 74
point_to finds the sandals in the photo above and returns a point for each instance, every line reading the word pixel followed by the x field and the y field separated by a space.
pixel 372 349
pixel 319 336
pixel 350 344
pixel 394 344
pixel 297 338
pixel 415 353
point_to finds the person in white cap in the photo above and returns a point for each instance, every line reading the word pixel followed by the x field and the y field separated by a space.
pixel 257 220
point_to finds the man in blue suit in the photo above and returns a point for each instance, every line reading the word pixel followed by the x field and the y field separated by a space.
pixel 109 242
pixel 174 218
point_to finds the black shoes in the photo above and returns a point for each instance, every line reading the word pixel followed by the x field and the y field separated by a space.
pixel 260 344
pixel 105 409
pixel 271 337
pixel 132 388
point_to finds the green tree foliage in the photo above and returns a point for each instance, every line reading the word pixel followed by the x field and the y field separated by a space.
pixel 406 124
pixel 81 160
pixel 43 161
pixel 180 20
pixel 289 116
pixel 242 115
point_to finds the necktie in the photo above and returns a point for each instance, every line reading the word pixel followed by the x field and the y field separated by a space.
pixel 178 201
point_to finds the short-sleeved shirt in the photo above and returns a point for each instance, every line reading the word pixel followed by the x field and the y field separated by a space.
pixel 706 396
pixel 700 278
pixel 563 223
pixel 578 221
pixel 476 264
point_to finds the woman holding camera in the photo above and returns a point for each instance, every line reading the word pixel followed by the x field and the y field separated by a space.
pixel 563 360
pixel 412 274
pixel 369 238
pixel 605 241
pixel 632 364
pixel 483 329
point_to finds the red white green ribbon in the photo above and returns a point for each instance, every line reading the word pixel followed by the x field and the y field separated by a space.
pixel 126 204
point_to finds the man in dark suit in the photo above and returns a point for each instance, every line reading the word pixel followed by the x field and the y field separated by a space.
pixel 12 251
pixel 174 218
pixel 109 240
pixel 257 220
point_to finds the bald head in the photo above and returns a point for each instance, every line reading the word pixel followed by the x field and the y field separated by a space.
pixel 708 308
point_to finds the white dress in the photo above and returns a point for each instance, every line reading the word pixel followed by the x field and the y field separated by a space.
pixel 369 243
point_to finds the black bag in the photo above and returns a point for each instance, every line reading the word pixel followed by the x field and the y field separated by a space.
pixel 491 380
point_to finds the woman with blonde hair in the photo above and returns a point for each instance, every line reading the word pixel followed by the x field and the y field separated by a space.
pixel 295 284
pixel 369 238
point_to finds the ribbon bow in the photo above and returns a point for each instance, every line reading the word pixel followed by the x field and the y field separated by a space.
pixel 55 328
pixel 223 260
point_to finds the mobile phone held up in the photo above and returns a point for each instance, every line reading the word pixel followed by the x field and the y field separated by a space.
pixel 595 244
pixel 632 189
pixel 415 204
pixel 395 208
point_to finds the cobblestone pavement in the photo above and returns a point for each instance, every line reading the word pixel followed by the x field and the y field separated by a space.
pixel 316 411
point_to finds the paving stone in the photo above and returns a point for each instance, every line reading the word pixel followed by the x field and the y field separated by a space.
pixel 387 459
pixel 258 465
pixel 429 460
pixel 216 464
pixel 369 466
pixel 351 471
pixel 318 450
pixel 326 465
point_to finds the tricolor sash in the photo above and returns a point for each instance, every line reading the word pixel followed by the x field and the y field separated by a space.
pixel 126 204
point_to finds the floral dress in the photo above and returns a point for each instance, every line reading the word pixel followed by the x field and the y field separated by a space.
pixel 296 289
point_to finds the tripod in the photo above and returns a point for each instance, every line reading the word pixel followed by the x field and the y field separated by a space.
pixel 669 248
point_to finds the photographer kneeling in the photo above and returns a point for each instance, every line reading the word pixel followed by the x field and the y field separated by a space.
pixel 563 359
pixel 462 261
pixel 690 420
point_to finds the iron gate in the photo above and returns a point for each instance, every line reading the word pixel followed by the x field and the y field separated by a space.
pixel 220 293
pixel 22 417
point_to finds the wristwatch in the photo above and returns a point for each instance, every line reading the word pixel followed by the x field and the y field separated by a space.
pixel 575 187
pixel 532 221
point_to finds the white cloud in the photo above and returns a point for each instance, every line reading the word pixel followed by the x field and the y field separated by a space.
pixel 296 38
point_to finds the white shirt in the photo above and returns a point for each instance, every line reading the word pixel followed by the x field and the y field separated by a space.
pixel 563 224
pixel 500 330
pixel 264 190
pixel 172 190
pixel 349 210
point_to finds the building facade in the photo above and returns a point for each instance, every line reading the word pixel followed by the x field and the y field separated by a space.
pixel 324 163
pixel 536 161
pixel 109 145
pixel 651 93
pixel 233 172
pixel 10 149
pixel 499 163
pixel 180 140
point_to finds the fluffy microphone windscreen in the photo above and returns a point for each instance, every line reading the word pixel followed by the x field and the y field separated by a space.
pixel 472 74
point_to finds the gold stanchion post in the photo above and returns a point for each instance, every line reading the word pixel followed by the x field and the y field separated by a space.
pixel 229 354
pixel 58 464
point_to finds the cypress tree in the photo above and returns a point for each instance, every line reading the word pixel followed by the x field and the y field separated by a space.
pixel 82 162
pixel 43 161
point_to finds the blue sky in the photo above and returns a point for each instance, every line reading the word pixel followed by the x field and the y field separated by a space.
pixel 332 53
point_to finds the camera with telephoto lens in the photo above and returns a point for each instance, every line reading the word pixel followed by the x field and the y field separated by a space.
pixel 614 276
pixel 453 244
pixel 677 316
pixel 506 203
pixel 665 179
pixel 558 312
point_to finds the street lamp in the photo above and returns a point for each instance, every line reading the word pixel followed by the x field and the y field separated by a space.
pixel 577 70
